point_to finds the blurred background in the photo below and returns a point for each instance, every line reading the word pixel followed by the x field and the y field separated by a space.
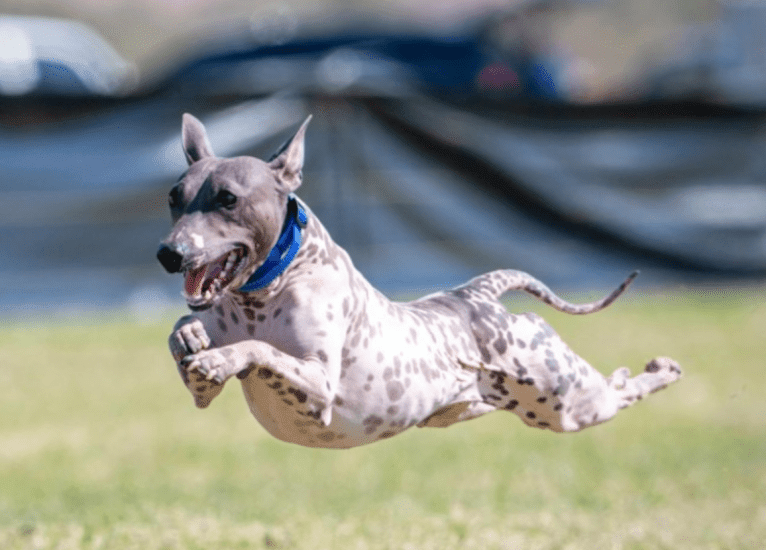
pixel 577 140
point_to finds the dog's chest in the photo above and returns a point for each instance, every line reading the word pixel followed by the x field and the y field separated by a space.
pixel 236 320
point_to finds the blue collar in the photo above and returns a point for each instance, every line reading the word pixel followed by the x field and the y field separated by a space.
pixel 284 251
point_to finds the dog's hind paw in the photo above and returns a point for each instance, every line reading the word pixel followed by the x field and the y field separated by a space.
pixel 665 370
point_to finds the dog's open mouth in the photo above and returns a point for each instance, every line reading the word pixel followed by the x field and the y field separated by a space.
pixel 202 284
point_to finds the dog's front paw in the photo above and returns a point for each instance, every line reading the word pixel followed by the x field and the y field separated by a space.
pixel 189 337
pixel 215 365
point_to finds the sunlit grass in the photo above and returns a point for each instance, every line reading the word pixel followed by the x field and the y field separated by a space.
pixel 101 447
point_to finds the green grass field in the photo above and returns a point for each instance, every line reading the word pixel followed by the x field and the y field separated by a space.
pixel 101 447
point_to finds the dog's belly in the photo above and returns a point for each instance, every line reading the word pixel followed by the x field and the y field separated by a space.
pixel 374 400
pixel 350 426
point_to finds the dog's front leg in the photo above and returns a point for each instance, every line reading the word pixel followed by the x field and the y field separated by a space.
pixel 307 379
pixel 189 337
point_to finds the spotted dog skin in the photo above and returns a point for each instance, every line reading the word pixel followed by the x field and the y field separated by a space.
pixel 326 360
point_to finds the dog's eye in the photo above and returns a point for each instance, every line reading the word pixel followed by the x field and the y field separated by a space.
pixel 174 197
pixel 225 199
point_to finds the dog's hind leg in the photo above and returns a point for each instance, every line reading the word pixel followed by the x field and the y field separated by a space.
pixel 584 408
pixel 572 397
pixel 659 372
pixel 535 375
pixel 459 412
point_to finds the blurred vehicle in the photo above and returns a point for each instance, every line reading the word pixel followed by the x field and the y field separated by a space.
pixel 44 56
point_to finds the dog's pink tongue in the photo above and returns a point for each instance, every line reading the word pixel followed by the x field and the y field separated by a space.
pixel 194 279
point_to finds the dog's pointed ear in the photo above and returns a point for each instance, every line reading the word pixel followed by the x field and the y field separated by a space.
pixel 288 163
pixel 194 138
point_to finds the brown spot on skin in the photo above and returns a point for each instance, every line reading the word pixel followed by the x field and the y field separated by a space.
pixel 395 390
pixel 355 340
pixel 372 423
pixel 222 325
pixel 326 436
pixel 322 356
pixel 299 395
pixel 338 401
pixel 264 373
pixel 500 345
pixel 251 330
pixel 277 312
pixel 234 318
pixel 219 310
pixel 249 313
pixel 385 435
pixel 261 317
pixel 552 364
pixel 392 410
pixel 380 357
pixel 244 373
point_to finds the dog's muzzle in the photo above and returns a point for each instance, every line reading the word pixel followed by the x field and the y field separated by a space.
pixel 170 258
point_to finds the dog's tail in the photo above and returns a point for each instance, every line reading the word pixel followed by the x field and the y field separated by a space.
pixel 497 283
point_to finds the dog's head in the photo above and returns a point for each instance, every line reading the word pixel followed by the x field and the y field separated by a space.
pixel 227 214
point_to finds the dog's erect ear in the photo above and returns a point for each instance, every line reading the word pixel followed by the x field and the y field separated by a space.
pixel 288 164
pixel 194 139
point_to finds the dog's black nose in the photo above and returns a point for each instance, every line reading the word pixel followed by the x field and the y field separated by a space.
pixel 169 258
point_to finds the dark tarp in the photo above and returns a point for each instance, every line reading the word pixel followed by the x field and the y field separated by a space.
pixel 425 188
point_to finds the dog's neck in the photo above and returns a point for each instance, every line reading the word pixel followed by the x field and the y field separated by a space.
pixel 281 256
